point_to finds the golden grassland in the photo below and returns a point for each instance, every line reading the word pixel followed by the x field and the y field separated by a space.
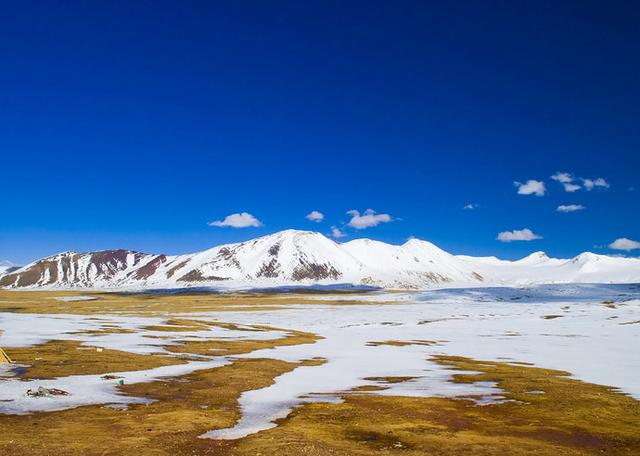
pixel 61 358
pixel 47 302
pixel 564 417
pixel 544 412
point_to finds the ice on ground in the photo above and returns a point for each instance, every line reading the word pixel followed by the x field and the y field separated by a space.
pixel 489 324
pixel 88 389
pixel 24 330
pixel 75 298
pixel 582 329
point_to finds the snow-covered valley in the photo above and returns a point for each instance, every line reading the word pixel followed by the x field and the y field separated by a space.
pixel 591 331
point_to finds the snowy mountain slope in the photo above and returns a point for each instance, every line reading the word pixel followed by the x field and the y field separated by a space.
pixel 415 264
pixel 539 268
pixel 72 269
pixel 286 257
pixel 7 267
pixel 301 257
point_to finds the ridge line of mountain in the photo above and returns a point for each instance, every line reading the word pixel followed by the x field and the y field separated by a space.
pixel 306 257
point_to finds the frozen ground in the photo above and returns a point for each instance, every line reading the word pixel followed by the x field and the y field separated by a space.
pixel 591 331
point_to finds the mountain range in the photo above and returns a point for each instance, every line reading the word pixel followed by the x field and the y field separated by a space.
pixel 294 257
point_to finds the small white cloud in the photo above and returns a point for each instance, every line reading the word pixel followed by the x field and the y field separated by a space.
pixel 624 244
pixel 470 206
pixel 531 187
pixel 240 220
pixel 368 219
pixel 564 178
pixel 590 184
pixel 570 207
pixel 315 216
pixel 569 182
pixel 337 232
pixel 518 235
pixel 571 187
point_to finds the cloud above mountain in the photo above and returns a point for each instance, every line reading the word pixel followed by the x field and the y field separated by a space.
pixel 238 220
pixel 590 184
pixel 567 180
pixel 570 208
pixel 337 232
pixel 572 184
pixel 531 187
pixel 368 219
pixel 315 216
pixel 624 244
pixel 524 234
pixel 563 178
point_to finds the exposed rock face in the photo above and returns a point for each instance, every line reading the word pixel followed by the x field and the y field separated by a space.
pixel 146 271
pixel 315 271
pixel 270 269
pixel 197 276
pixel 71 269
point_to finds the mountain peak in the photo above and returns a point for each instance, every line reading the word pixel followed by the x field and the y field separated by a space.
pixel 291 233
pixel 535 257
pixel 587 257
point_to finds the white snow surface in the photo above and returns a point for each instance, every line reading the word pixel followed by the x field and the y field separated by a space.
pixel 305 258
pixel 4 266
pixel 76 298
pixel 592 341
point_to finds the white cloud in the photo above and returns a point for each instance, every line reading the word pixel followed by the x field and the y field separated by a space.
pixel 569 182
pixel 337 232
pixel 518 235
pixel 571 187
pixel 240 220
pixel 564 178
pixel 570 207
pixel 470 206
pixel 531 187
pixel 590 184
pixel 624 244
pixel 368 219
pixel 315 216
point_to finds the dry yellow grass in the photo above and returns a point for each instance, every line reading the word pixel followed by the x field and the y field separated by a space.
pixel 547 413
pixel 60 358
pixel 569 418
pixel 45 302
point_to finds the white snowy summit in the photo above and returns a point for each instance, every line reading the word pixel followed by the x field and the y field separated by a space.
pixel 7 267
pixel 294 257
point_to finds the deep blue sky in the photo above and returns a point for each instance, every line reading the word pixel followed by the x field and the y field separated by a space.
pixel 133 124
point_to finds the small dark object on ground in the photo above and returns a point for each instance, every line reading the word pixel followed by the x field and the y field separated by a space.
pixel 46 392
pixel 110 377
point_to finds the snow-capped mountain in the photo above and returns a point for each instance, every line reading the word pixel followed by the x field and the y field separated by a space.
pixel 7 267
pixel 301 257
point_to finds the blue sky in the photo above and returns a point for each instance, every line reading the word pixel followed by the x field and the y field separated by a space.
pixel 135 124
